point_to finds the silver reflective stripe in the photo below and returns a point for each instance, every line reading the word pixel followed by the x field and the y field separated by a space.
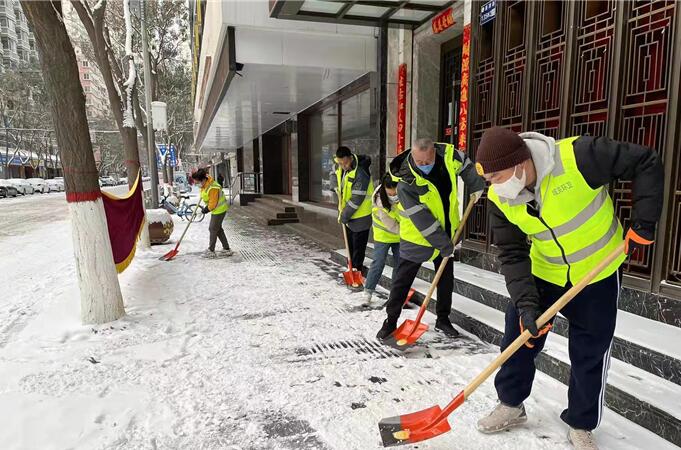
pixel 358 192
pixel 431 229
pixel 352 205
pixel 558 168
pixel 381 227
pixel 580 219
pixel 413 210
pixel 589 250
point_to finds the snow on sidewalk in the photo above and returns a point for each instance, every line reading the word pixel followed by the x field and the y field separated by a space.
pixel 263 350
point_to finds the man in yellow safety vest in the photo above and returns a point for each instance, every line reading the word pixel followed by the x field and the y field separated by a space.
pixel 554 193
pixel 355 187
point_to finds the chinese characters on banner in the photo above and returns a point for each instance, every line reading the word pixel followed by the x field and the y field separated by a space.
pixel 401 106
pixel 465 76
pixel 442 21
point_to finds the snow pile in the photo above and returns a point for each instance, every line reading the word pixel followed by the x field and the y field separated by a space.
pixel 159 215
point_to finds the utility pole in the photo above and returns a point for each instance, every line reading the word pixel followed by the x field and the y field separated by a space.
pixel 151 146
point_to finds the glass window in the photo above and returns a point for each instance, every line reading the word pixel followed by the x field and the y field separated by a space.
pixel 367 11
pixel 357 130
pixel 322 7
pixel 323 145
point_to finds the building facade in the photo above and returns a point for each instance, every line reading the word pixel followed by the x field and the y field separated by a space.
pixel 16 40
pixel 279 85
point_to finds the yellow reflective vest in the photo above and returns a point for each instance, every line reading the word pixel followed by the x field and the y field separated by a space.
pixel 222 205
pixel 575 226
pixel 429 197
pixel 345 184
pixel 380 230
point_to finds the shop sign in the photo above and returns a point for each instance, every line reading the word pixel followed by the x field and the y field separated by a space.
pixel 488 12
pixel 401 106
pixel 443 21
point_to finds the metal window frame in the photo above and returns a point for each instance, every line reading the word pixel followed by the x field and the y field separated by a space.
pixel 291 10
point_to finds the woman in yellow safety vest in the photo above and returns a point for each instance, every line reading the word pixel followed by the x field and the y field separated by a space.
pixel 386 228
pixel 215 202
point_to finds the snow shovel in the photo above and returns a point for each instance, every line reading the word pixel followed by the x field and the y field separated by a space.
pixel 431 422
pixel 409 332
pixel 173 253
pixel 352 277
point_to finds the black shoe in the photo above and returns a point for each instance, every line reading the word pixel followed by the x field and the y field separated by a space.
pixel 446 327
pixel 386 330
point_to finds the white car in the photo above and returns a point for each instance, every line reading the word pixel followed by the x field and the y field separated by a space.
pixel 39 185
pixel 54 185
pixel 12 190
pixel 60 180
pixel 23 186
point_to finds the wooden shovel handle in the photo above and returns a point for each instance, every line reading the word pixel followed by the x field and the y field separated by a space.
pixel 543 319
pixel 345 233
pixel 190 222
pixel 441 269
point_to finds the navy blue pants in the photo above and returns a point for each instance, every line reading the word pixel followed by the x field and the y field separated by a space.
pixel 592 315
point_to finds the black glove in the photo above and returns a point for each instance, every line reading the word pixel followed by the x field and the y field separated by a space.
pixel 448 251
pixel 639 236
pixel 529 312
pixel 205 210
pixel 528 318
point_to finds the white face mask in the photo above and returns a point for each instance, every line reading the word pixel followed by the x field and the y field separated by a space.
pixel 393 199
pixel 511 187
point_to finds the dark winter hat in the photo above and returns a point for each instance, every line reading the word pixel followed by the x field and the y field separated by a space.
pixel 500 149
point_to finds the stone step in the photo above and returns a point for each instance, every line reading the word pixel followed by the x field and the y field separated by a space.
pixel 272 222
pixel 639 395
pixel 287 215
pixel 647 344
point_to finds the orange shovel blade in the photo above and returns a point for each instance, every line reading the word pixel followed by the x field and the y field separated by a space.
pixel 358 278
pixel 404 336
pixel 349 278
pixel 170 255
pixel 411 428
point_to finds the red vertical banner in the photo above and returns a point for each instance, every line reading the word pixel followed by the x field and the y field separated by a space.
pixel 465 81
pixel 401 106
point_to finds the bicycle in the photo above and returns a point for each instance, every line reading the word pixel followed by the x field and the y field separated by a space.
pixel 184 211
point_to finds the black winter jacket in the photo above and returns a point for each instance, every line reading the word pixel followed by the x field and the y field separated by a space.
pixel 601 161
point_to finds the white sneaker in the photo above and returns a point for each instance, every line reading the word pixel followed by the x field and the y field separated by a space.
pixel 225 252
pixel 582 439
pixel 210 254
pixel 502 418
pixel 368 293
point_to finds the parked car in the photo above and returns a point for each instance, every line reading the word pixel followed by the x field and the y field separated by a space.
pixel 123 180
pixel 9 188
pixel 60 180
pixel 39 185
pixel 23 186
pixel 3 192
pixel 107 181
pixel 54 185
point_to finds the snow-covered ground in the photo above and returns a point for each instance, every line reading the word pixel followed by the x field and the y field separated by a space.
pixel 263 350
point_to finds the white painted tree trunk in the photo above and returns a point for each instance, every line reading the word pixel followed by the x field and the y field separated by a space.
pixel 101 300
